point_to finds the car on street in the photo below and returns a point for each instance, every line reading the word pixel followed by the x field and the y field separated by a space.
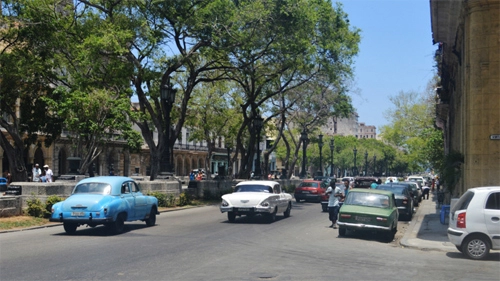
pixel 256 197
pixel 393 179
pixel 421 180
pixel 107 200
pixel 310 190
pixel 369 210
pixel 474 226
pixel 325 197
pixel 364 182
pixel 404 200
pixel 416 191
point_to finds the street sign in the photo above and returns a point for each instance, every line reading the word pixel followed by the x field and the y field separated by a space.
pixel 494 137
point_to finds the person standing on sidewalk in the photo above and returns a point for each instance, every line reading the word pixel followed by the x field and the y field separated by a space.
pixel 36 173
pixel 333 203
pixel 425 192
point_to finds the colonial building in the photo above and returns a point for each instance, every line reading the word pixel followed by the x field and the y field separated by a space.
pixel 468 111
pixel 349 127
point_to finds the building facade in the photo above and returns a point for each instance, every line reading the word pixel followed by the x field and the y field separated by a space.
pixel 467 33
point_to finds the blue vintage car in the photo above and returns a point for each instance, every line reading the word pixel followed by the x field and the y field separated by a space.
pixel 109 200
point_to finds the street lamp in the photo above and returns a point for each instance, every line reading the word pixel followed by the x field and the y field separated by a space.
pixel 258 122
pixel 366 161
pixel 320 145
pixel 374 164
pixel 167 94
pixel 305 141
pixel 355 168
pixel 332 147
pixel 229 168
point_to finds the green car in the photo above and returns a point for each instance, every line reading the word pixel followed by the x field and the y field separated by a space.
pixel 370 210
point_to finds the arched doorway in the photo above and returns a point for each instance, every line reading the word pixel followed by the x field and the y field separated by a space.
pixel 62 163
pixel 38 157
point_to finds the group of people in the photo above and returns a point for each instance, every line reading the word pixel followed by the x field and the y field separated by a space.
pixel 45 175
pixel 196 176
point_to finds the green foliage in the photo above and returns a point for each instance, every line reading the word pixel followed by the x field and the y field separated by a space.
pixel 208 195
pixel 164 200
pixel 36 208
pixel 51 200
pixel 451 172
pixel 184 199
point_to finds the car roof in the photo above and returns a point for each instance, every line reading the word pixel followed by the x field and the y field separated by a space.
pixel 108 179
pixel 263 182
pixel 484 188
pixel 371 190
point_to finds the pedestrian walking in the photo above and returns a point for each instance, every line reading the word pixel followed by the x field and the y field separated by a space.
pixel 36 173
pixel 333 202
pixel 425 192
pixel 347 186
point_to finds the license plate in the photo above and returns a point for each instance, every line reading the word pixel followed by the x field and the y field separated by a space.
pixel 243 209
pixel 363 219
pixel 78 214
pixel 305 191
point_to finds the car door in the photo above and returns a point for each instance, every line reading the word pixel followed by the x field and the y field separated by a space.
pixel 492 218
pixel 141 202
pixel 282 201
pixel 127 195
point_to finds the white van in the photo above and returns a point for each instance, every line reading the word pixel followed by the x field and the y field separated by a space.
pixel 474 226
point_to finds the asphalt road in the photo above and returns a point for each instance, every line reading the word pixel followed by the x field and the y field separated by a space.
pixel 199 244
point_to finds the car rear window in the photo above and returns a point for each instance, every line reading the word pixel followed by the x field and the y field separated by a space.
pixel 308 184
pixel 463 202
pixel 396 189
pixel 367 199
pixel 93 188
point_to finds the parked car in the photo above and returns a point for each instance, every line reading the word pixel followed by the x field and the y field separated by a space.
pixel 416 191
pixel 474 226
pixel 364 182
pixel 404 200
pixel 421 180
pixel 394 179
pixel 257 197
pixel 310 190
pixel 325 197
pixel 369 210
pixel 109 200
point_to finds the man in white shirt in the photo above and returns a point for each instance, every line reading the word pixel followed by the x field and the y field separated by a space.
pixel 48 173
pixel 333 203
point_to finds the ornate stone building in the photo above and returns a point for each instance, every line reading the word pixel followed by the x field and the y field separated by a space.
pixel 468 110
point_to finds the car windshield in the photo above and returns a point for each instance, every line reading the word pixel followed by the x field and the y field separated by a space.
pixel 367 199
pixel 396 189
pixel 93 188
pixel 254 188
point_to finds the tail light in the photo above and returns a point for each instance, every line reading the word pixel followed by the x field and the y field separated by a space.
pixel 461 220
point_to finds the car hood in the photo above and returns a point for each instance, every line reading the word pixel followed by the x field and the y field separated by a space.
pixel 246 198
pixel 365 210
pixel 87 202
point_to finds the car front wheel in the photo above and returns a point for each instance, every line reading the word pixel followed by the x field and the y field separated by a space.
pixel 231 216
pixel 271 217
pixel 475 247
pixel 70 228
pixel 342 231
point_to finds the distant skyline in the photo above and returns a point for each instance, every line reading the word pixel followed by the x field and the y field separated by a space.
pixel 396 53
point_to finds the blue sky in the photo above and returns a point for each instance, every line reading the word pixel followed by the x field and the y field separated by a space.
pixel 396 53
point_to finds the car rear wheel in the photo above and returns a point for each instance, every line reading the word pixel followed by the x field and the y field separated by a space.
pixel 231 216
pixel 324 208
pixel 70 228
pixel 342 231
pixel 117 226
pixel 297 200
pixel 475 247
pixel 288 210
pixel 151 220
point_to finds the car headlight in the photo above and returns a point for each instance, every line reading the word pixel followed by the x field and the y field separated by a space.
pixel 224 203
pixel 265 203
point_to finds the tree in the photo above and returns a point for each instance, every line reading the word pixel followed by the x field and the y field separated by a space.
pixel 275 47
pixel 26 64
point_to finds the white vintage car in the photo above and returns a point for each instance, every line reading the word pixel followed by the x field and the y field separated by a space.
pixel 257 197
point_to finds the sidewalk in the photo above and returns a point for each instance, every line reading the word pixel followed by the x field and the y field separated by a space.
pixel 425 231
